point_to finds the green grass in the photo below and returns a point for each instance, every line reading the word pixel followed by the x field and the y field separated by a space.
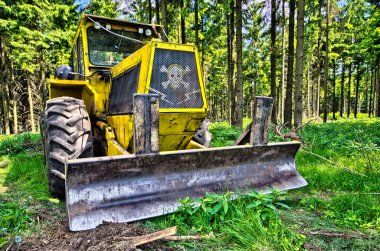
pixel 342 194
pixel 23 183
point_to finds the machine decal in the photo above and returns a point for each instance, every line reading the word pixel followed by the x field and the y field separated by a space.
pixel 175 74
pixel 176 79
pixel 162 95
pixel 188 96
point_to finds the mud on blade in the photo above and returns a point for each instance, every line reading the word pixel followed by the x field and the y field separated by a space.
pixel 130 188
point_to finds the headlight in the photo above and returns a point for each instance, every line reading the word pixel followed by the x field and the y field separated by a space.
pixel 148 32
pixel 97 25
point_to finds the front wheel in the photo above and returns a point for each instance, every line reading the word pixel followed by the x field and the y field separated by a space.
pixel 66 134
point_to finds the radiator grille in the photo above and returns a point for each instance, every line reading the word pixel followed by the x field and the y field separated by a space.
pixel 175 79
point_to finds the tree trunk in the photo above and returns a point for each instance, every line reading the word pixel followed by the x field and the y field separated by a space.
pixel 370 107
pixel 229 58
pixel 318 95
pixel 298 106
pixel 202 48
pixel 273 61
pixel 319 59
pixel 3 88
pixel 183 28
pixel 333 87
pixel 150 12
pixel 158 11
pixel 342 91
pixel 14 100
pixel 196 22
pixel 15 120
pixel 42 83
pixel 289 80
pixel 232 64
pixel 326 64
pixel 366 97
pixel 239 65
pixel 349 90
pixel 164 19
pixel 31 106
pixel 377 91
pixel 357 89
pixel 282 104
pixel 308 92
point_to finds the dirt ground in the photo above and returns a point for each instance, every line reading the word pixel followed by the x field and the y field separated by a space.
pixel 53 234
pixel 105 237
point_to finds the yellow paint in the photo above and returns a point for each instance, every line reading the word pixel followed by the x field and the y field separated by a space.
pixel 176 126
pixel 194 145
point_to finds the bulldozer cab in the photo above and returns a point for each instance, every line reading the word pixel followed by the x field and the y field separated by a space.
pixel 115 59
pixel 103 42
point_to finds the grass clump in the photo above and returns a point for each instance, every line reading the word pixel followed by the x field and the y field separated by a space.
pixel 14 218
pixel 252 233
pixel 249 222
pixel 223 134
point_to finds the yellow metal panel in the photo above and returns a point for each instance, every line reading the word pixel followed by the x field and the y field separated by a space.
pixel 194 145
pixel 113 147
pixel 86 59
pixel 122 126
pixel 65 82
pixel 75 92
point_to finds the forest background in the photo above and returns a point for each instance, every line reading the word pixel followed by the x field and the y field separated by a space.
pixel 314 57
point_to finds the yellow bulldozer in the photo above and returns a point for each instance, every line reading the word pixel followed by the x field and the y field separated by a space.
pixel 124 134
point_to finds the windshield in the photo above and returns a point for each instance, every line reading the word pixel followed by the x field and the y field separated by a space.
pixel 108 49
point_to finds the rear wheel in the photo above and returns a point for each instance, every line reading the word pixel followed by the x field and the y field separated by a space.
pixel 66 134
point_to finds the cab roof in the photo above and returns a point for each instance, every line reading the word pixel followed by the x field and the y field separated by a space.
pixel 117 21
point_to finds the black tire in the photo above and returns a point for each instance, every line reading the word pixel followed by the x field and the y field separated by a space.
pixel 67 135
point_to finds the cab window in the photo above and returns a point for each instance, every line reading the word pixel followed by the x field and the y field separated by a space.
pixel 108 49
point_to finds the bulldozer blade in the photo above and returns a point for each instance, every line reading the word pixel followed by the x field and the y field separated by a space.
pixel 130 188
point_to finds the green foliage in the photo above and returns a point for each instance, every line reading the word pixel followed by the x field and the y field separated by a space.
pixel 355 210
pixel 245 222
pixel 212 209
pixel 14 144
pixel 265 205
pixel 348 210
pixel 223 134
pixel 107 8
pixel 25 179
pixel 27 172
pixel 13 219
pixel 251 233
pixel 26 169
pixel 350 145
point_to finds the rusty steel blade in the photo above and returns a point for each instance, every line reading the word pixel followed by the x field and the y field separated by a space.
pixel 130 188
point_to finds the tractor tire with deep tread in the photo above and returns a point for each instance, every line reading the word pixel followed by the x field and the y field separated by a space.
pixel 66 135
